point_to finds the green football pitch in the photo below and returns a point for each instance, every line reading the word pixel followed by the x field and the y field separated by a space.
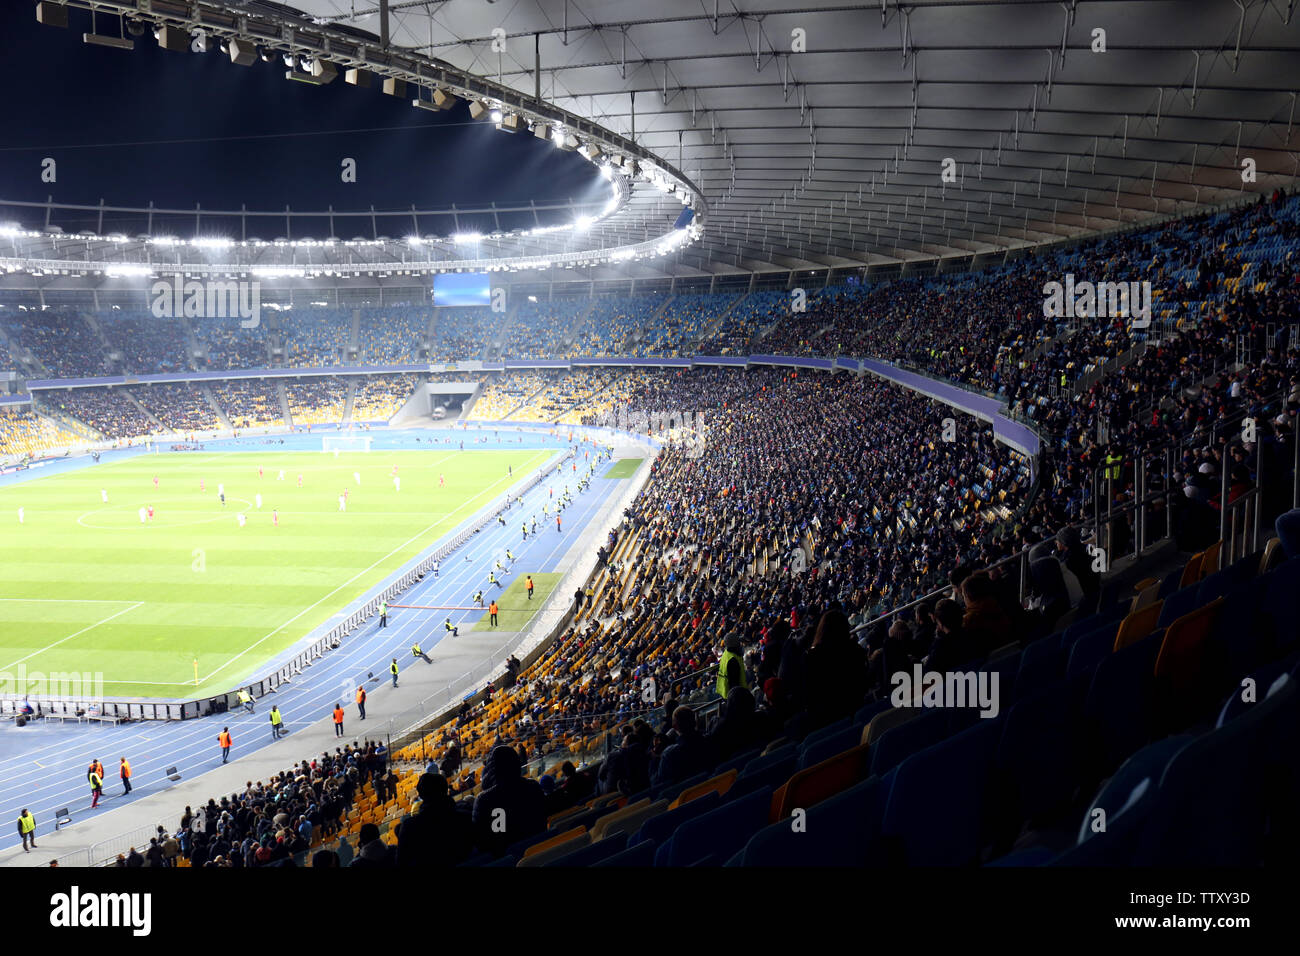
pixel 624 468
pixel 87 587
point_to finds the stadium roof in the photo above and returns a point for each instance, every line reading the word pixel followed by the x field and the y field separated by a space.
pixel 832 156
pixel 816 136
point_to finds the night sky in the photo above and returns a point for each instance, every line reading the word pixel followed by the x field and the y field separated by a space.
pixel 179 128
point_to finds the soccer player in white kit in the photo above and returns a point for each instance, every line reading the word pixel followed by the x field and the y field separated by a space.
pixel 221 490
pixel 397 483
pixel 142 516
pixel 103 495
pixel 20 515
pixel 240 518
pixel 259 501
pixel 356 475
pixel 343 503
pixel 281 476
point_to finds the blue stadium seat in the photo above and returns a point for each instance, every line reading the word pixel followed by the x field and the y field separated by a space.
pixel 1263 678
pixel 1177 604
pixel 935 810
pixel 735 763
pixel 659 829
pixel 843 830
pixel 1037 757
pixel 864 714
pixel 823 732
pixel 640 855
pixel 1088 651
pixel 1117 718
pixel 1212 804
pixel 671 791
pixel 829 746
pixel 899 743
pixel 770 773
pixel 1041 663
pixel 714 836
pixel 1109 837
pixel 592 853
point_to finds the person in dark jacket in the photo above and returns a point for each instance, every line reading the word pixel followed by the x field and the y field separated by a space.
pixel 1076 558
pixel 375 854
pixel 439 834
pixel 687 756
pixel 952 647
pixel 512 808
pixel 835 672
pixel 738 730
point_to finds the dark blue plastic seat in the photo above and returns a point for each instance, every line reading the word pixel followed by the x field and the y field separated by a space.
pixel 1037 756
pixel 842 831
pixel 639 855
pixel 935 810
pixel 1177 604
pixel 660 828
pixel 829 746
pixel 1117 716
pixel 898 743
pixel 714 836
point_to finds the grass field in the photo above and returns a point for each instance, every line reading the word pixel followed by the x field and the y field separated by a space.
pixel 623 468
pixel 86 587
pixel 514 610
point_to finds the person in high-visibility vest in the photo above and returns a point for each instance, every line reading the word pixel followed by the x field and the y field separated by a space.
pixel 361 702
pixel 453 629
pixel 392 669
pixel 96 786
pixel 338 720
pixel 1113 462
pixel 492 613
pixel 224 741
pixel 124 771
pixel 731 668
pixel 27 829
pixel 383 613
pixel 276 723
pixel 529 585
pixel 417 651
pixel 246 700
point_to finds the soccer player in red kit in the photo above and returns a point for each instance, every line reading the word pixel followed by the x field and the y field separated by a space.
pixel 275 518
pixel 150 512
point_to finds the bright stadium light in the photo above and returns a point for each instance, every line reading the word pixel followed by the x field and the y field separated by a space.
pixel 466 238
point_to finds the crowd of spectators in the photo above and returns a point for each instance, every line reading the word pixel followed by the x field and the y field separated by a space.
pixel 544 330
pixel 317 400
pixel 250 402
pixel 60 339
pixel 110 411
pixel 229 346
pixel 313 337
pixel 180 407
pixel 505 392
pixel 392 335
pixel 463 333
pixel 25 434
pixel 613 320
pixel 685 318
pixel 380 397
pixel 146 345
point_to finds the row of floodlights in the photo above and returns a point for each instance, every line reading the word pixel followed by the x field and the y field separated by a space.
pixel 663 247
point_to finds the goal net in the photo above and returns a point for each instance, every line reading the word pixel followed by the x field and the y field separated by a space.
pixel 337 443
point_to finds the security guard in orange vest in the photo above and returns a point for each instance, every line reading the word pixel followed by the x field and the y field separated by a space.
pixel 224 741
pixel 338 720
pixel 361 702
pixel 492 613
pixel 125 772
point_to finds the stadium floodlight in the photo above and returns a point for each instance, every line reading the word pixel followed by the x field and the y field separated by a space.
pixel 52 14
pixel 495 116
pixel 510 123
pixel 424 104
pixel 466 238
pixel 542 130
pixel 101 39
pixel 172 38
pixel 323 70
pixel 444 100
pixel 590 151
pixel 478 109
pixel 394 86
pixel 357 77
pixel 242 53
pixel 124 270
pixel 567 142
pixel 301 76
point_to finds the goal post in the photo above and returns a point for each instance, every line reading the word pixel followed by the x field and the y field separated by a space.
pixel 338 443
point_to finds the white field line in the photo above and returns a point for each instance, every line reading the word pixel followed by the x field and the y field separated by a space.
pixel 486 491
pixel 134 605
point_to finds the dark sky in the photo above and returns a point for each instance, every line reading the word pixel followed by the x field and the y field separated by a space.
pixel 111 120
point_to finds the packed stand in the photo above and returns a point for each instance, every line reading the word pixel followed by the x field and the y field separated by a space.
pixel 544 330
pixel 380 397
pixel 392 335
pixel 315 337
pixel 24 434
pixel 462 333
pixel 110 411
pixel 506 392
pixel 318 400
pixel 61 340
pixel 229 346
pixel 613 320
pixel 179 407
pixel 249 402
pixel 148 345
pixel 685 318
